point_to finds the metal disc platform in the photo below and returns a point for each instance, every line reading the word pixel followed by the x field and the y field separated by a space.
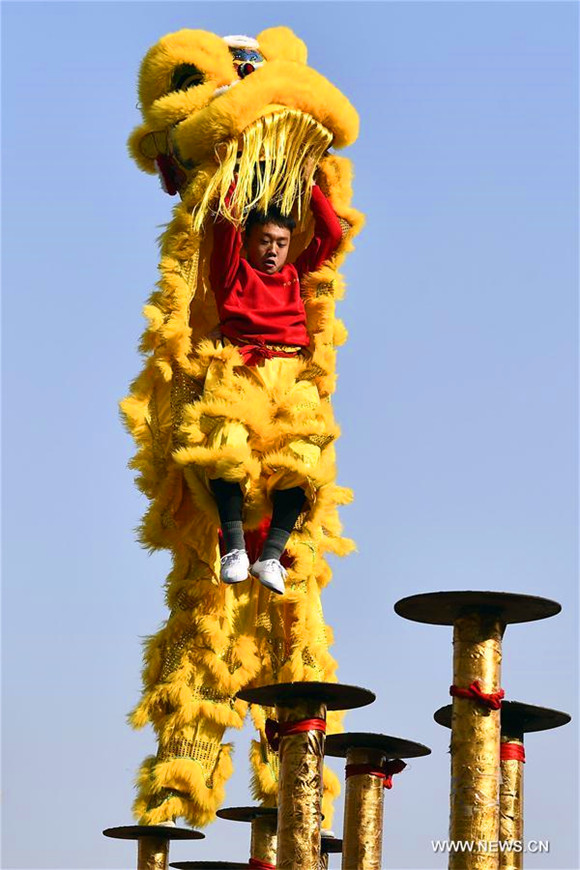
pixel 516 717
pixel 162 832
pixel 335 696
pixel 338 745
pixel 445 608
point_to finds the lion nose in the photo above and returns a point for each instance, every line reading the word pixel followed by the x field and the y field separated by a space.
pixel 245 69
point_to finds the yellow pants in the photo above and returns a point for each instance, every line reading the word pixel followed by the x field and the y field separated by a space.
pixel 262 424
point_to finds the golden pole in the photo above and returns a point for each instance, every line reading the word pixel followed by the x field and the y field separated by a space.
pixel 263 845
pixel 300 789
pixel 368 772
pixel 511 801
pixel 363 813
pixel 475 731
pixel 263 832
pixel 516 720
pixel 301 711
pixel 153 854
pixel 479 620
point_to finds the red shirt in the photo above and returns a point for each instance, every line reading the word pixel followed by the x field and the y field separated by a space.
pixel 255 307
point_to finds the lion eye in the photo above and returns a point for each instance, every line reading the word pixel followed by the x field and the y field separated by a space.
pixel 186 76
pixel 246 61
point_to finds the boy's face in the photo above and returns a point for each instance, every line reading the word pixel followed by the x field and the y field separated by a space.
pixel 267 247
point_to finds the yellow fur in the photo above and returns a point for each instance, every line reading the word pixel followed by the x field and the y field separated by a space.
pixel 280 43
pixel 219 639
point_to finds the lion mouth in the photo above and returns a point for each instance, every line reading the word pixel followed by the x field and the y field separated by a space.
pixel 273 161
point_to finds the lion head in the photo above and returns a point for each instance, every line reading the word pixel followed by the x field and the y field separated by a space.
pixel 214 108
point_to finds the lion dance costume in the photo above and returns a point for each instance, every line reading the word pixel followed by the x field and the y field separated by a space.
pixel 206 120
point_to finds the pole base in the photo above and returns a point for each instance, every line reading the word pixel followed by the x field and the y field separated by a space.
pixel 444 608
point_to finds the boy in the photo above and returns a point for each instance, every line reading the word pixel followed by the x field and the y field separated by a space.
pixel 261 311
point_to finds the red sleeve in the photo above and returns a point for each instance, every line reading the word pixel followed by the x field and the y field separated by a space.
pixel 225 255
pixel 327 234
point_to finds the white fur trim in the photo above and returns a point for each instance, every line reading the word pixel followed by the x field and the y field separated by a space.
pixel 239 41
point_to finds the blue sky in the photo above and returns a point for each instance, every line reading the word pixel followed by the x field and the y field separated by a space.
pixel 457 396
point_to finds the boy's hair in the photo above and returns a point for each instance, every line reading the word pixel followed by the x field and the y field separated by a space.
pixel 273 215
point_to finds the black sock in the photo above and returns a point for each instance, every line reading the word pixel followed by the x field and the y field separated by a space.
pixel 233 533
pixel 288 504
pixel 274 544
pixel 229 500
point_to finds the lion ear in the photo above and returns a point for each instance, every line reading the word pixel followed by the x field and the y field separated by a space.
pixel 143 147
pixel 150 152
pixel 281 43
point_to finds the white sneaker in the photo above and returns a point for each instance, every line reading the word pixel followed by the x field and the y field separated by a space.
pixel 234 566
pixel 271 574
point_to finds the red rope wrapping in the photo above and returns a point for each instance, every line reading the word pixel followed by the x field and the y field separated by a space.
pixel 261 865
pixel 276 730
pixel 386 771
pixel 512 752
pixel 492 700
pixel 255 353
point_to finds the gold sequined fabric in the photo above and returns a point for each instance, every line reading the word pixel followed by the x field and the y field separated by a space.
pixel 204 747
pixel 185 389
pixel 324 288
pixel 345 226
pixel 284 348
pixel 158 443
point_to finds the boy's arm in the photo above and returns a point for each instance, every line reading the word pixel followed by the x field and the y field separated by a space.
pixel 327 234
pixel 225 255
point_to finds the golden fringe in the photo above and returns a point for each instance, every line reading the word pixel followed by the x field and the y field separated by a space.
pixel 270 162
